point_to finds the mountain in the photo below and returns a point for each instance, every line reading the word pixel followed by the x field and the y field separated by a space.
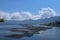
pixel 40 21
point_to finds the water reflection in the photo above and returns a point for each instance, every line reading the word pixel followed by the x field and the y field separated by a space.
pixel 26 32
pixel 20 35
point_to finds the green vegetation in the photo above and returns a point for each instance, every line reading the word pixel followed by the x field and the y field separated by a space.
pixel 1 20
pixel 56 23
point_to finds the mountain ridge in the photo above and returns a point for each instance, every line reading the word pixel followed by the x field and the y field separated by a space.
pixel 40 21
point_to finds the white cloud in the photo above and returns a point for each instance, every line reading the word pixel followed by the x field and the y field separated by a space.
pixel 5 15
pixel 43 13
pixel 16 16
pixel 47 13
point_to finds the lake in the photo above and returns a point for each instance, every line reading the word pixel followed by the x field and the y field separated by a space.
pixel 49 34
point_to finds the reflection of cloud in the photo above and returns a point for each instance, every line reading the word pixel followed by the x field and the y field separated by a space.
pixel 43 13
pixel 19 35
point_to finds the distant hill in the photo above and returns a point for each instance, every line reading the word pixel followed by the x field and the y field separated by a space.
pixel 40 21
pixel 56 24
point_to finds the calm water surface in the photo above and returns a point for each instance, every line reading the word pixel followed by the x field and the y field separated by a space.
pixel 49 34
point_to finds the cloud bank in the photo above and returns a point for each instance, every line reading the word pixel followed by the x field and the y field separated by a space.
pixel 41 14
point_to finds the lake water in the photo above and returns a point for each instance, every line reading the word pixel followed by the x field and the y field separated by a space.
pixel 49 34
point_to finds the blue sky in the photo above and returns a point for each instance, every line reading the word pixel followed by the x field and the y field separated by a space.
pixel 29 5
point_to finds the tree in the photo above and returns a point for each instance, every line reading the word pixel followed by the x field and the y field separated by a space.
pixel 1 20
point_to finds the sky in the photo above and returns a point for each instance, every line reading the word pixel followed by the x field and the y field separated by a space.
pixel 29 9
